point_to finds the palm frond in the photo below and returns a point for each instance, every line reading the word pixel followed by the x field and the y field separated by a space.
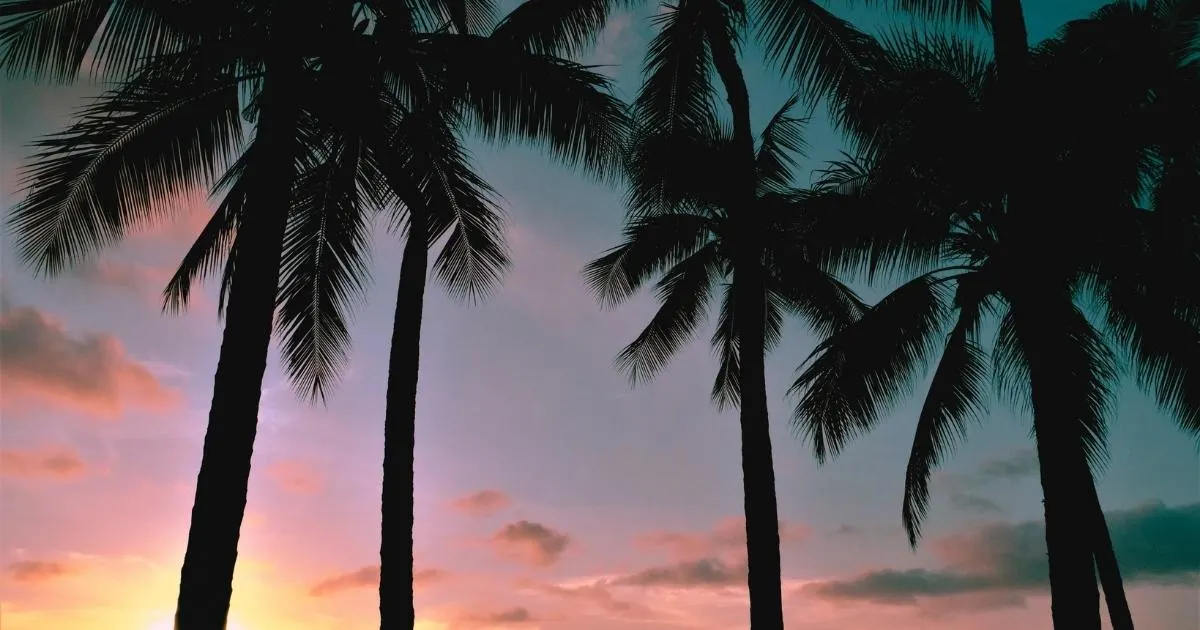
pixel 824 54
pixel 780 148
pixel 323 270
pixel 554 27
pixel 962 11
pixel 727 386
pixel 677 95
pixel 513 94
pixel 138 146
pixel 469 17
pixel 857 373
pixel 955 397
pixel 1051 356
pixel 683 294
pixel 1164 344
pixel 458 203
pixel 652 245
pixel 215 241
pixel 671 172
pixel 56 40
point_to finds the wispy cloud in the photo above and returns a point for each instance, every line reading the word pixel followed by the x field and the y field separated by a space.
pixel 88 372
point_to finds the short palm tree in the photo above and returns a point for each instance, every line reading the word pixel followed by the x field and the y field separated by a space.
pixel 709 211
pixel 1092 240
pixel 292 224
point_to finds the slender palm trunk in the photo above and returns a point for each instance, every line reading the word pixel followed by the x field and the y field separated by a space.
pixel 1074 597
pixel 1106 566
pixel 206 580
pixel 396 611
pixel 764 578
pixel 758 470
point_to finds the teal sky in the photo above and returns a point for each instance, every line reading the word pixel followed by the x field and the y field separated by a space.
pixel 518 396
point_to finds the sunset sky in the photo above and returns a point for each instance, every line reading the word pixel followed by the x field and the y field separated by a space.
pixel 550 495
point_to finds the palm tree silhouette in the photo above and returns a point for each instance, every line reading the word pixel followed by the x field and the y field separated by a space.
pixel 509 90
pixel 330 102
pixel 1033 261
pixel 707 208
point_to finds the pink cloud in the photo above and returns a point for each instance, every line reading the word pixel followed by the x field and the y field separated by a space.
pixel 727 537
pixel 91 373
pixel 515 616
pixel 482 503
pixel 296 476
pixel 532 543
pixel 368 577
pixel 597 594
pixel 47 462
pixel 38 571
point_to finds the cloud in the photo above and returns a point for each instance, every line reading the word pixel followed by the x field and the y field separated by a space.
pixel 515 616
pixel 702 572
pixel 89 372
pixel 728 537
pixel 614 40
pixel 38 571
pixel 1154 543
pixel 296 476
pixel 482 503
pixel 368 577
pixel 532 543
pixel 845 529
pixel 1017 465
pixel 47 462
pixel 597 593
pixel 971 502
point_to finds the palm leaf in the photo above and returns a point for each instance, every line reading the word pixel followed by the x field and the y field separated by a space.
pixel 683 294
pixel 727 386
pixel 955 397
pixel 677 95
pixel 824 54
pixel 1165 348
pixel 780 148
pixel 215 241
pixel 323 270
pixel 137 147
pixel 460 205
pixel 652 244
pixel 856 374
pixel 513 94
pixel 555 27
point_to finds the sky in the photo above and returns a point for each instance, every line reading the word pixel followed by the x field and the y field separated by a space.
pixel 549 493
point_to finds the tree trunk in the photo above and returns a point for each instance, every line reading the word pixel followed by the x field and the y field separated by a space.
pixel 1106 566
pixel 764 578
pixel 396 611
pixel 1070 519
pixel 206 580
pixel 758 470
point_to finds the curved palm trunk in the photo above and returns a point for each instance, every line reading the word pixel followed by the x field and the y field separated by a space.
pixel 764 569
pixel 206 580
pixel 396 611
pixel 1074 598
pixel 1106 566
pixel 758 470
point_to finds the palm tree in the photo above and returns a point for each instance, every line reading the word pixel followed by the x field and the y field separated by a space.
pixel 709 207
pixel 172 124
pixel 291 227
pixel 981 220
pixel 564 106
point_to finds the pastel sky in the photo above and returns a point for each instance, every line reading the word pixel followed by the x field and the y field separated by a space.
pixel 550 495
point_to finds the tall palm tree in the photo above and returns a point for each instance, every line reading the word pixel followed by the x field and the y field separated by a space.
pixel 1091 238
pixel 291 227
pixel 707 208
pixel 172 124
pixel 563 106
